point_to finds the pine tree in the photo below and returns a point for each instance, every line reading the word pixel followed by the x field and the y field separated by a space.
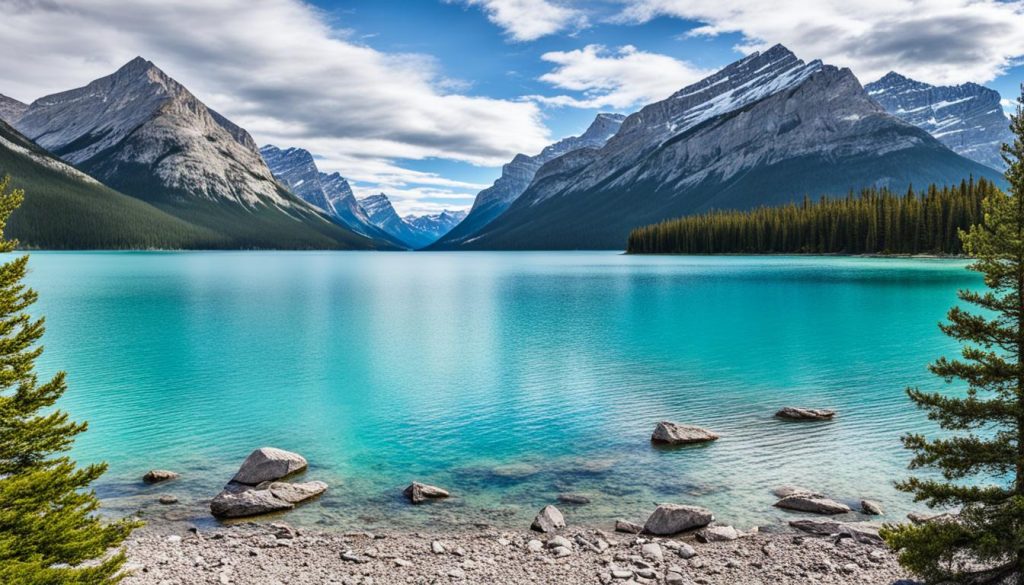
pixel 48 526
pixel 984 542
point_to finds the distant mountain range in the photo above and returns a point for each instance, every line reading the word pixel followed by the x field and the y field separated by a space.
pixel 135 160
pixel 967 118
pixel 764 130
pixel 142 133
pixel 517 175
pixel 415 232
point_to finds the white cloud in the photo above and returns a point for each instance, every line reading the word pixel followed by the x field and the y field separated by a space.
pixel 278 69
pixel 938 41
pixel 617 79
pixel 528 20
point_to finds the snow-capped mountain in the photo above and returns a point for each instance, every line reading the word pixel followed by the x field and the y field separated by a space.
pixel 766 129
pixel 967 118
pixel 436 225
pixel 297 170
pixel 414 232
pixel 144 134
pixel 11 109
pixel 517 175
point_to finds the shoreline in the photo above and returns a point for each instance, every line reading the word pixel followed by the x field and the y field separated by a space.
pixel 276 553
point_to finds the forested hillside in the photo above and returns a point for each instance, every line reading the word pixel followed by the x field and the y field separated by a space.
pixel 877 221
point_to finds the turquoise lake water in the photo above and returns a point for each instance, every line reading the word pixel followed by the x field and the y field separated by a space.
pixel 506 377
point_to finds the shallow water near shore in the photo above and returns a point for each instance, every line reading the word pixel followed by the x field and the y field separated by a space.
pixel 507 378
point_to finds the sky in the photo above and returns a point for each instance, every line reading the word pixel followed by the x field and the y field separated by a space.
pixel 425 99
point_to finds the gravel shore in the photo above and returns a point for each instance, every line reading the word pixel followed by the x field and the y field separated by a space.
pixel 277 554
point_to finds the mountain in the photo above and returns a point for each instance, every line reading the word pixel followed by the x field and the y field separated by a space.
pixel 331 193
pixel 144 134
pixel 11 109
pixel 66 209
pixel 435 226
pixel 764 130
pixel 517 175
pixel 967 118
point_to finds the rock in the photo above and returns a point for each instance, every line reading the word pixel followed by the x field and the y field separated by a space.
pixel 268 464
pixel 420 492
pixel 674 579
pixel 457 574
pixel 548 520
pixel 919 518
pixel 670 519
pixel 558 541
pixel 237 504
pixel 686 551
pixel 283 531
pixel 561 552
pixel 670 433
pixel 871 507
pixel 158 475
pixel 350 557
pixel 784 491
pixel 573 499
pixel 628 527
pixel 718 534
pixel 535 546
pixel 651 551
pixel 295 493
pixel 622 574
pixel 806 503
pixel 862 533
pixel 796 413
pixel 167 500
pixel 437 548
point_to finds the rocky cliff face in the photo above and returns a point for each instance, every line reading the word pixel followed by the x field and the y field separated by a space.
pixel 436 225
pixel 967 118
pixel 11 109
pixel 767 129
pixel 143 133
pixel 414 232
pixel 517 175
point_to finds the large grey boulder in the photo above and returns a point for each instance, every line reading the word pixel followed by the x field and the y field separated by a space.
pixel 158 475
pixel 268 464
pixel 295 493
pixel 670 433
pixel 815 505
pixel 548 520
pixel 420 492
pixel 670 519
pixel 235 503
pixel 797 413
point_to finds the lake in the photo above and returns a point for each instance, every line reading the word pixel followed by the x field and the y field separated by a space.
pixel 507 378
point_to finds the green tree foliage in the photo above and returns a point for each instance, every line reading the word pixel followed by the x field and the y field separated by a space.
pixel 877 221
pixel 48 526
pixel 981 458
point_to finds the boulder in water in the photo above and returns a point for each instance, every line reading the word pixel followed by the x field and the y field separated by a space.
pixel 158 475
pixel 420 492
pixel 669 519
pixel 797 413
pixel 815 505
pixel 233 503
pixel 269 464
pixel 670 433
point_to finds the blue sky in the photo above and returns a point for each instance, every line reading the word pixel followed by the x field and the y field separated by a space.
pixel 425 99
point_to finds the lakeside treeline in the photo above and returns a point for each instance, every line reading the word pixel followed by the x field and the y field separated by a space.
pixel 876 221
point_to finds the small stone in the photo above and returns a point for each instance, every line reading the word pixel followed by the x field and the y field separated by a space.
pixel 561 551
pixel 438 548
pixel 158 475
pixel 548 520
pixel 651 551
pixel 686 551
pixel 535 546
pixel 877 556
pixel 871 507
pixel 850 568
pixel 350 557
pixel 628 527
pixel 168 499
pixel 733 564
pixel 718 534
pixel 622 574
pixel 457 574
pixel 174 539
pixel 558 541
pixel 674 578
pixel 402 563
pixel 646 573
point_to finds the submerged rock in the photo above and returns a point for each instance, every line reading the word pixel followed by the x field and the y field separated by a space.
pixel 158 475
pixel 784 491
pixel 269 464
pixel 295 493
pixel 670 519
pixel 232 503
pixel 670 433
pixel 797 413
pixel 578 499
pixel 548 520
pixel 815 505
pixel 420 492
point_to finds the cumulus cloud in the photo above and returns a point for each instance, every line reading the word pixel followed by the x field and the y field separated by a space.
pixel 939 41
pixel 277 68
pixel 528 20
pixel 618 78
